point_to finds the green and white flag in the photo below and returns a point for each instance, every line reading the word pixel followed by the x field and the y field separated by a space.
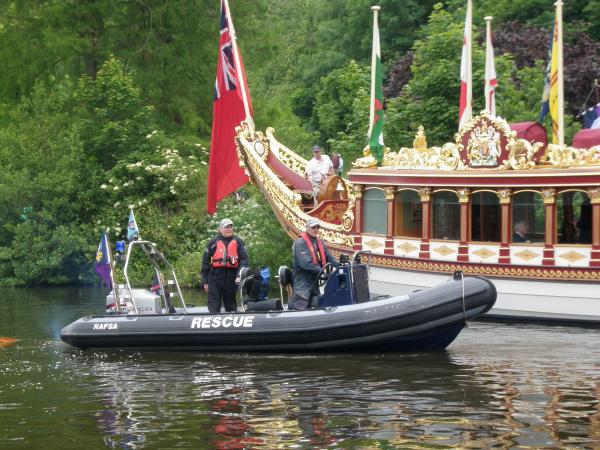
pixel 376 110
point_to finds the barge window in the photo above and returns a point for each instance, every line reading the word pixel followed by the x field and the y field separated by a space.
pixel 528 217
pixel 374 212
pixel 485 217
pixel 445 216
pixel 573 218
pixel 408 214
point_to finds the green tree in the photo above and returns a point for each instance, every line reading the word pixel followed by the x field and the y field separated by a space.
pixel 114 118
pixel 326 35
pixel 43 206
pixel 335 97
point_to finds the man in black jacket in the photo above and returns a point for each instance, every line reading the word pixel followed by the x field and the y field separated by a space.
pixel 520 232
pixel 310 256
pixel 223 259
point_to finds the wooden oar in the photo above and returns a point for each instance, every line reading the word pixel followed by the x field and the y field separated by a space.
pixel 7 341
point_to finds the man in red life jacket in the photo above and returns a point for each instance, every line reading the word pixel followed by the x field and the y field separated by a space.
pixel 310 256
pixel 224 257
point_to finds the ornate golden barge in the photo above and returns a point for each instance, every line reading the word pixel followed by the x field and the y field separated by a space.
pixel 498 201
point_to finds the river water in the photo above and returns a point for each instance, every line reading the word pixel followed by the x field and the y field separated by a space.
pixel 498 385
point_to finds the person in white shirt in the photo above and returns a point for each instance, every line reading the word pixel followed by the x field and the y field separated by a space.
pixel 340 168
pixel 317 169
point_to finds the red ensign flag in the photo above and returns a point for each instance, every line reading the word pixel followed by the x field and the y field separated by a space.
pixel 224 173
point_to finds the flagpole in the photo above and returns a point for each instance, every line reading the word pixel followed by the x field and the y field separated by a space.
pixel 375 10
pixel 560 78
pixel 238 65
pixel 466 79
pixel 490 71
pixel 112 269
pixel 470 59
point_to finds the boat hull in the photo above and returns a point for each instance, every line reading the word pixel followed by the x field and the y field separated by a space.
pixel 530 300
pixel 426 320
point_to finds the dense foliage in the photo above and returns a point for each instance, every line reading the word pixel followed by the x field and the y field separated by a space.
pixel 107 105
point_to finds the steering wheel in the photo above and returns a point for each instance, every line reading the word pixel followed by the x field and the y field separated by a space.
pixel 324 274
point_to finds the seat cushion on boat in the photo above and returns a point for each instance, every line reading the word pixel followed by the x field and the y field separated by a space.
pixel 272 304
pixel 285 276
pixel 251 285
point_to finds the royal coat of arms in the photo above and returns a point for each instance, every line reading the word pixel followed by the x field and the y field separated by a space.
pixel 483 147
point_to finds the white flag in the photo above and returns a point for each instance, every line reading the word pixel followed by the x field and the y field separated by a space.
pixel 465 109
pixel 490 70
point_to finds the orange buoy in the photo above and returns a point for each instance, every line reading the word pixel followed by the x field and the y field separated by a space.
pixel 7 341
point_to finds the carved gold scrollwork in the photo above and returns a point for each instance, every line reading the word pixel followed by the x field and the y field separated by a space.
pixel 286 202
pixel 591 156
pixel 566 156
pixel 425 194
pixel 561 155
pixel 420 141
pixel 348 220
pixel 549 196
pixel 367 160
pixel 521 154
pixel 594 194
pixel 463 195
pixel 504 195
pixel 357 190
pixel 445 158
pixel 483 149
pixel 491 271
pixel 450 157
pixel 247 128
pixel 390 191
pixel 348 217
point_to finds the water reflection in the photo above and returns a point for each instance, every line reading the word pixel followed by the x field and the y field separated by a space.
pixel 497 386
pixel 344 401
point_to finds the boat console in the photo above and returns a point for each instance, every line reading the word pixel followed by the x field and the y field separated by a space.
pixel 347 284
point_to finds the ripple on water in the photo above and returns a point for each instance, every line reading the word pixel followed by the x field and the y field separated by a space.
pixel 497 386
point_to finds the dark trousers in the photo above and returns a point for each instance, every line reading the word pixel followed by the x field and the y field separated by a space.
pixel 222 290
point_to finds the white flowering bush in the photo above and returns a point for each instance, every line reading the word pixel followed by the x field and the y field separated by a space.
pixel 164 179
pixel 166 189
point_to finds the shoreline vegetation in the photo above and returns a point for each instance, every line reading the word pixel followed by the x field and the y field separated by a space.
pixel 107 106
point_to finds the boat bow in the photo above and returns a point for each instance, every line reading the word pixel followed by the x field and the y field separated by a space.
pixel 278 172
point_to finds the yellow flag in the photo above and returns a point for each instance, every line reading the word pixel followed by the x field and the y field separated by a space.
pixel 554 84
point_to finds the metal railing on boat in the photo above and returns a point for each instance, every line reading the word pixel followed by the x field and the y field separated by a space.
pixel 155 257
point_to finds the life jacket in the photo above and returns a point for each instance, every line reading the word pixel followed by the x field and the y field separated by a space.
pixel 311 249
pixel 226 256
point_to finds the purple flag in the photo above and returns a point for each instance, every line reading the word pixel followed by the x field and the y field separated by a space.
pixel 102 264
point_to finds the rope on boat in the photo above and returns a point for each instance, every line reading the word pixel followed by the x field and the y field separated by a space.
pixel 457 274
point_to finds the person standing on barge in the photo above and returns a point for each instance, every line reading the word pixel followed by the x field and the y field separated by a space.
pixel 317 169
pixel 223 259
pixel 310 256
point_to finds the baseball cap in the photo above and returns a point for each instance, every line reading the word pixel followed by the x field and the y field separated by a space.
pixel 316 148
pixel 311 223
pixel 225 222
